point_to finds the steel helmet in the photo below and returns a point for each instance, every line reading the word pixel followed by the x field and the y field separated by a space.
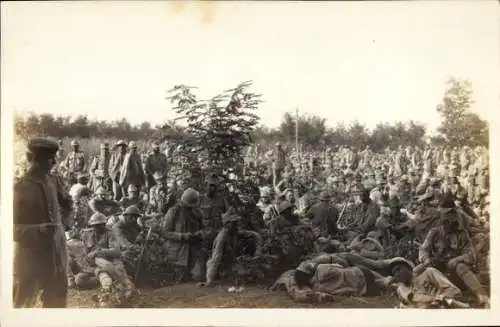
pixel 97 219
pixel 132 188
pixel 132 210
pixel 74 142
pixel 190 198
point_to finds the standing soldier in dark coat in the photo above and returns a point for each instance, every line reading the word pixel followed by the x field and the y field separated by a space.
pixel 40 255
pixel 156 162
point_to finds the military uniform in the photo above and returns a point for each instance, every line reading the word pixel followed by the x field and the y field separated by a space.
pixel 155 162
pixel 40 253
pixel 73 164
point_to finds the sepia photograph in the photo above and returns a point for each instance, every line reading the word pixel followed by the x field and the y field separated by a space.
pixel 248 155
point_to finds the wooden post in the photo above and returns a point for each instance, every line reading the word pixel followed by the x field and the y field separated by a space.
pixel 297 134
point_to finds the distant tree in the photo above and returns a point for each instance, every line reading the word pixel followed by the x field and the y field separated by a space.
pixel 459 125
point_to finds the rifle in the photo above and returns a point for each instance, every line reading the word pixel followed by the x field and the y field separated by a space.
pixel 141 256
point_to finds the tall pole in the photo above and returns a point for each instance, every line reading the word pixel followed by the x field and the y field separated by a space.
pixel 297 133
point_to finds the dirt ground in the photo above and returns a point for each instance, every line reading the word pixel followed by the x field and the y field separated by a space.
pixel 191 296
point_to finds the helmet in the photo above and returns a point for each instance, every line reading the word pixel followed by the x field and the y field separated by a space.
pixel 74 143
pixel 190 198
pixel 132 210
pixel 97 219
pixel 132 188
pixel 132 145
pixel 307 267
pixel 120 142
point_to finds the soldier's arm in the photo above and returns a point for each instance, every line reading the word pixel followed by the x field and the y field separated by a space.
pixel 168 227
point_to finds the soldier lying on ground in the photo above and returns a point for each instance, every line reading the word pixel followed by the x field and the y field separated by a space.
pixel 326 276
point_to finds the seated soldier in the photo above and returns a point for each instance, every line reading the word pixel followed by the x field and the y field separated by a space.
pixel 159 196
pixel 81 210
pixel 126 229
pixel 102 203
pixel 428 289
pixel 448 248
pixel 323 216
pixel 132 199
pixel 103 254
pixel 230 243
pixel 183 228
pixel 363 214
pixel 82 180
pixel 285 217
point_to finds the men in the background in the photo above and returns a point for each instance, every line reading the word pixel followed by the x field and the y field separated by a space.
pixel 131 171
pixel 101 162
pixel 156 161
pixel 74 163
pixel 116 163
pixel 40 254
pixel 278 163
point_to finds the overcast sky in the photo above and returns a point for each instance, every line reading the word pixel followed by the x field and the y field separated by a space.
pixel 372 61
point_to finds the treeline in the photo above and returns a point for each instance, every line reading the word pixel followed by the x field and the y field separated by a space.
pixel 313 131
pixel 459 126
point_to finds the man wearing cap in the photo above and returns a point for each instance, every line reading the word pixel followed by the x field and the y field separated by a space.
pixel 228 244
pixel 448 248
pixel 323 216
pixel 115 166
pixel 103 254
pixel 131 171
pixel 183 228
pixel 74 163
pixel 364 214
pixel 101 162
pixel 156 161
pixel 40 254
